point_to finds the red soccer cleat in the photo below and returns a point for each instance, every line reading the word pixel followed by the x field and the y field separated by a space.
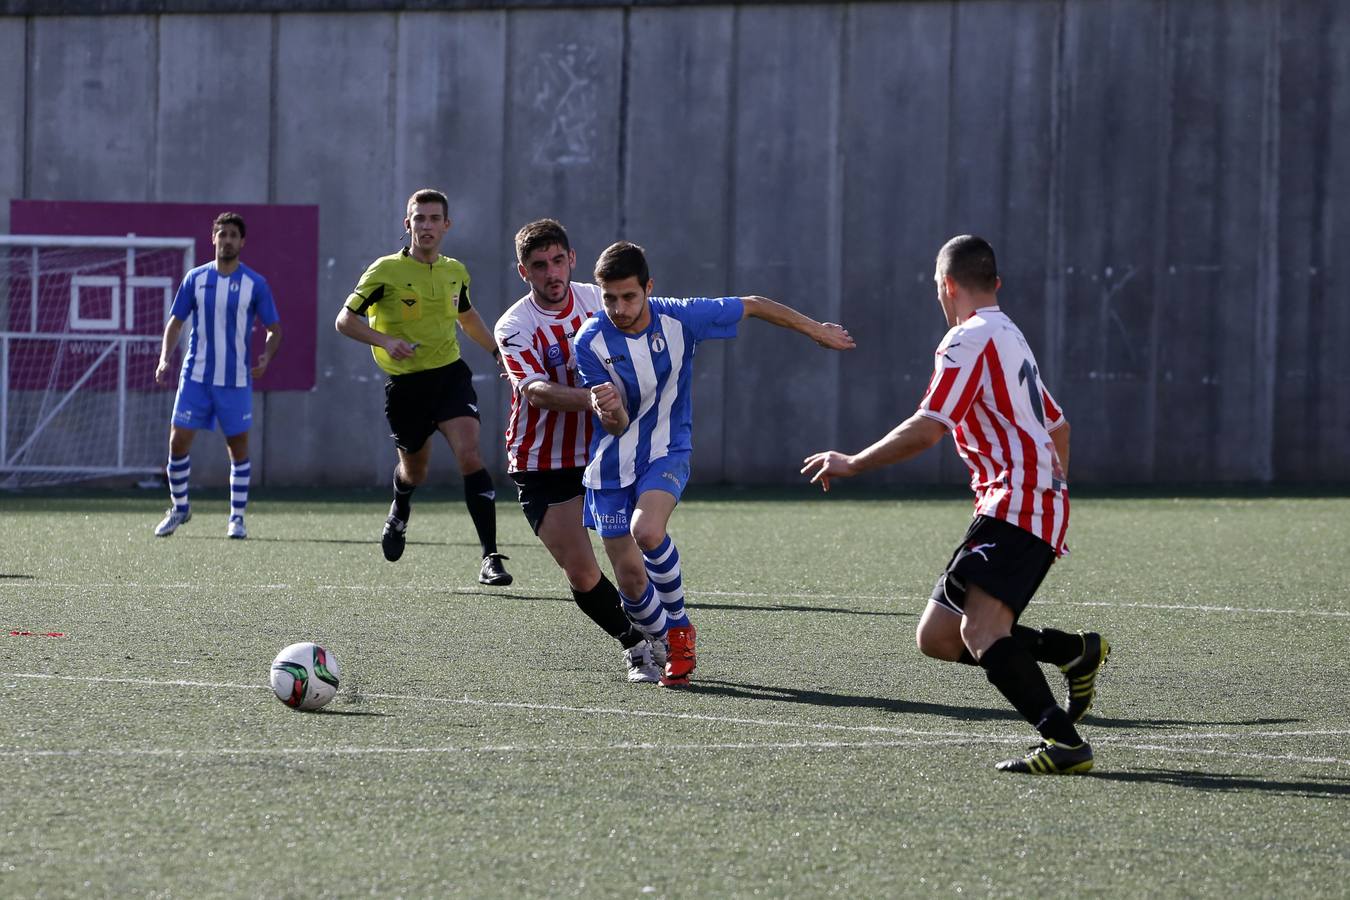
pixel 681 660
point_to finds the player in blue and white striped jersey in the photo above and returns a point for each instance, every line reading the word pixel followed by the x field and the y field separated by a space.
pixel 215 384
pixel 637 361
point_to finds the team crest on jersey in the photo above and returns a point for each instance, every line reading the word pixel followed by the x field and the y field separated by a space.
pixel 553 355
pixel 658 344
pixel 234 287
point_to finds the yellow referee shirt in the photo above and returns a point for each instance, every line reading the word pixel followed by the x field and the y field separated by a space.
pixel 416 301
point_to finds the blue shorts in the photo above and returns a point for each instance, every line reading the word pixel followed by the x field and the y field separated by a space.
pixel 609 511
pixel 202 405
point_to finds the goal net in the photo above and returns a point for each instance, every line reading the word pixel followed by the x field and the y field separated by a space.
pixel 81 320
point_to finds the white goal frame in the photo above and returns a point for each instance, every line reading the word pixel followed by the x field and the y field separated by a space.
pixel 116 343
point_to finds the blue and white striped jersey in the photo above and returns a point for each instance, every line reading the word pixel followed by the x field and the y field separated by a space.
pixel 222 311
pixel 652 372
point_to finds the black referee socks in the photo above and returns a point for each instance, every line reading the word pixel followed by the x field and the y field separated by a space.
pixel 480 498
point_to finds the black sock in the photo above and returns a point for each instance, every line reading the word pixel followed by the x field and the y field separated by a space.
pixel 1011 668
pixel 967 658
pixel 402 497
pixel 1049 645
pixel 602 606
pixel 480 498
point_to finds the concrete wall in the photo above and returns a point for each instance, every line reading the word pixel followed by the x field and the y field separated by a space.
pixel 1166 182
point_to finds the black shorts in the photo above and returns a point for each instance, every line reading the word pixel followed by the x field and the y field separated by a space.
pixel 540 490
pixel 1008 562
pixel 417 402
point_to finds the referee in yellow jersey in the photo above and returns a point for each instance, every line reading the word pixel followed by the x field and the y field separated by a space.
pixel 406 307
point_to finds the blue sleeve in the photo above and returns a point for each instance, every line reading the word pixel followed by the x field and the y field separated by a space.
pixel 184 300
pixel 267 307
pixel 711 319
pixel 589 367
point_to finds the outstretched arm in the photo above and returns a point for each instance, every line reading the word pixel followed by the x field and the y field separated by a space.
pixel 826 334
pixel 908 439
pixel 552 395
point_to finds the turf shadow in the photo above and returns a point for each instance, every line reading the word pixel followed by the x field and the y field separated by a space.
pixel 1217 781
pixel 733 607
pixel 1099 722
pixel 845 701
pixel 352 712
pixel 374 542
pixel 19 577
pixel 783 607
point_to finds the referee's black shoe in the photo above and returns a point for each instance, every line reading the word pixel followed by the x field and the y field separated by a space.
pixel 493 572
pixel 1082 674
pixel 394 538
pixel 1051 758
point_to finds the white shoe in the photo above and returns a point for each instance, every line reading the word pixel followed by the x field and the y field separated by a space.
pixel 641 669
pixel 236 528
pixel 172 519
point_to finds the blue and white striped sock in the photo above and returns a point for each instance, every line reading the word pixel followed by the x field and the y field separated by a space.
pixel 239 472
pixel 178 470
pixel 647 613
pixel 663 568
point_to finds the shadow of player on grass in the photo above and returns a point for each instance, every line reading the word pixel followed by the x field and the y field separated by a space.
pixel 738 690
pixel 970 714
pixel 1218 781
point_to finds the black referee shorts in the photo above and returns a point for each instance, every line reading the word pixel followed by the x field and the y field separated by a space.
pixel 417 402
pixel 540 490
pixel 1008 562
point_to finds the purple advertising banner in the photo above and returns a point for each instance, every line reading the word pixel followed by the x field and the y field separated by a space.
pixel 102 292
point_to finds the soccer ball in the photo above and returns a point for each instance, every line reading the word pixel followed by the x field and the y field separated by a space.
pixel 305 676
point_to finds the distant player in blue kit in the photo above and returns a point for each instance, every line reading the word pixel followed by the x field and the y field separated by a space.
pixel 637 360
pixel 216 382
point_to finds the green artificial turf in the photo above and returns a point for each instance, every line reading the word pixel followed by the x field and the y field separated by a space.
pixel 485 741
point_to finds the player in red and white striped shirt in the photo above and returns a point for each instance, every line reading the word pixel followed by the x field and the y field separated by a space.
pixel 986 390
pixel 548 438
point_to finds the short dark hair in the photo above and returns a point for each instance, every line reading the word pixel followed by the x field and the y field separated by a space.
pixel 970 262
pixel 429 195
pixel 622 260
pixel 229 218
pixel 538 235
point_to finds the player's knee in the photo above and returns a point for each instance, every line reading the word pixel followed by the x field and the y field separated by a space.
pixel 647 536
pixel 470 460
pixel 582 575
pixel 943 647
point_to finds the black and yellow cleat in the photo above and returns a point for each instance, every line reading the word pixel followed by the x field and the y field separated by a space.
pixel 1082 674
pixel 1050 758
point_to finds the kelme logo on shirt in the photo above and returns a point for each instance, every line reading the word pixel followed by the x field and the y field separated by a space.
pixel 409 301
pixel 658 344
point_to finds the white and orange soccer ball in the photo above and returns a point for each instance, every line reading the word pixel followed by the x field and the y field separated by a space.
pixel 305 676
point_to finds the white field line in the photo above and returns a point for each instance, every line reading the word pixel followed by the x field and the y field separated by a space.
pixel 914 736
pixel 553 749
pixel 781 595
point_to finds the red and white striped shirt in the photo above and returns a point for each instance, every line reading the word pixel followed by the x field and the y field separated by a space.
pixel 987 390
pixel 536 345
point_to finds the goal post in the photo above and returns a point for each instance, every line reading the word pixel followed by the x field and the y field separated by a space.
pixel 81 322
